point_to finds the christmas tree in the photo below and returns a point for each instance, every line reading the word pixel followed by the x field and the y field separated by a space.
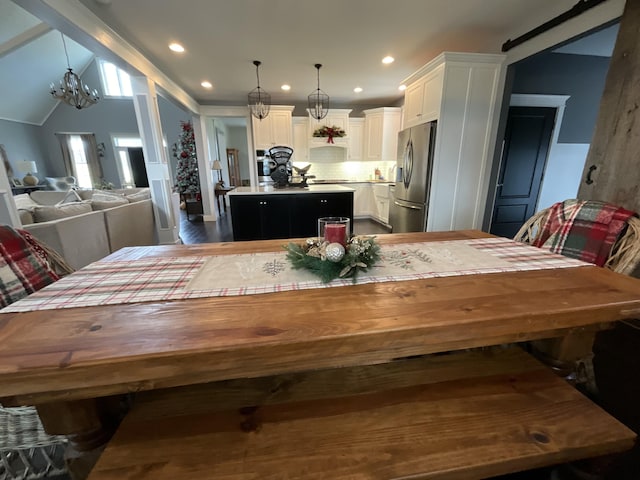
pixel 187 180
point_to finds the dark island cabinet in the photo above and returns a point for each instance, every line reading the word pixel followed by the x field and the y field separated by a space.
pixel 273 216
pixel 260 217
pixel 308 208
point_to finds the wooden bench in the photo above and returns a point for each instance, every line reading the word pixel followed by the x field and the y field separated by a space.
pixel 468 415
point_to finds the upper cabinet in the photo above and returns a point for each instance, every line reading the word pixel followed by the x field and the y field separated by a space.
pixel 381 127
pixel 355 139
pixel 463 92
pixel 337 117
pixel 274 130
pixel 422 98
pixel 300 139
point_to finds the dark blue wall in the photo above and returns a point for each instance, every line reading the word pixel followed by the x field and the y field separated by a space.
pixel 580 76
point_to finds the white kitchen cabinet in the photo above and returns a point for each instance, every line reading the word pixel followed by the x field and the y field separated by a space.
pixel 300 139
pixel 381 127
pixel 337 117
pixel 355 138
pixel 362 199
pixel 381 202
pixel 423 98
pixel 463 92
pixel 274 130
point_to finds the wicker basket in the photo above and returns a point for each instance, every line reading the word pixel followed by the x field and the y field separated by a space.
pixel 26 450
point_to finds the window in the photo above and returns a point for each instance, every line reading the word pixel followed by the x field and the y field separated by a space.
pixel 124 162
pixel 115 81
pixel 79 159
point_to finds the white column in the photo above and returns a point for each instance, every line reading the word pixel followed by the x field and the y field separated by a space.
pixel 145 101
pixel 203 151
pixel 8 211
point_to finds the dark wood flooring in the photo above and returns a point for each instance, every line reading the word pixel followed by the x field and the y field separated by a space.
pixel 198 231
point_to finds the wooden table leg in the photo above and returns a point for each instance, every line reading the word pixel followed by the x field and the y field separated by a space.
pixel 88 424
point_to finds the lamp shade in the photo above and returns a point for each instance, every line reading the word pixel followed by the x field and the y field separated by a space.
pixel 26 166
pixel 216 165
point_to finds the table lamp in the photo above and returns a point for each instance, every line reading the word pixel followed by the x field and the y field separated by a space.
pixel 217 166
pixel 28 167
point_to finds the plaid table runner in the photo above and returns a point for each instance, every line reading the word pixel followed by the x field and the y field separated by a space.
pixel 172 278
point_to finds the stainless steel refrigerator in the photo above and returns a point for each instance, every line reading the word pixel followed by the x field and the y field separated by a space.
pixel 409 201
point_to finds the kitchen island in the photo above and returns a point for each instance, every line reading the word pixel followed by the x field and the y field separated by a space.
pixel 267 212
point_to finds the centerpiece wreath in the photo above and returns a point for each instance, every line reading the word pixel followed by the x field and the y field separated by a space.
pixel 331 260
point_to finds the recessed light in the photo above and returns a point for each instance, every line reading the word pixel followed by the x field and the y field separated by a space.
pixel 206 84
pixel 176 47
pixel 388 59
pixel 357 89
pixel 286 87
pixel 402 87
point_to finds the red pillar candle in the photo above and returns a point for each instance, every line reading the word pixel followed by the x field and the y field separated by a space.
pixel 335 232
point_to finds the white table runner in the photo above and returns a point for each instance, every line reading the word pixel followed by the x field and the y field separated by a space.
pixel 175 278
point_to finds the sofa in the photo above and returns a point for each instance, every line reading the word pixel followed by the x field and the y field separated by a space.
pixel 87 225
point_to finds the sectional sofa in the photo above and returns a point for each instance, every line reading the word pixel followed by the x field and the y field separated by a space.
pixel 87 225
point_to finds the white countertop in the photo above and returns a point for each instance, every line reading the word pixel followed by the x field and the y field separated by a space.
pixel 290 190
pixel 344 182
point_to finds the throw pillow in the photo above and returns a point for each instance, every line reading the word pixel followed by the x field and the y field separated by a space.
pixel 46 214
pixel 26 216
pixel 85 194
pixel 48 197
pixel 103 205
pixel 70 197
pixel 23 270
pixel 25 202
pixel 105 196
pixel 139 197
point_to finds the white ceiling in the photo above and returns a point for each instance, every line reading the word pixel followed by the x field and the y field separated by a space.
pixel 31 58
pixel 222 37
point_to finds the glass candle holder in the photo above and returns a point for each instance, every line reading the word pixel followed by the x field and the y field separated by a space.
pixel 334 229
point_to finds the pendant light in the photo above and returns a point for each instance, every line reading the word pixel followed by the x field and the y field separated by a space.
pixel 259 100
pixel 71 90
pixel 318 100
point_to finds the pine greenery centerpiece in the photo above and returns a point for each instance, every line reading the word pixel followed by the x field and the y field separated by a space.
pixel 187 180
pixel 331 260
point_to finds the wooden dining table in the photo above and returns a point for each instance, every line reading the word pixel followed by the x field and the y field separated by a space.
pixel 73 362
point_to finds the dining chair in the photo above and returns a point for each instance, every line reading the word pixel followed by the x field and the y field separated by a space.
pixel 624 256
pixel 27 452
pixel 566 355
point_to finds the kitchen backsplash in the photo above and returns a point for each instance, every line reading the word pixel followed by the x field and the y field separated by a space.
pixel 359 171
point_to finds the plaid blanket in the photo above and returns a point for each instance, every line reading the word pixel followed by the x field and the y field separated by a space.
pixel 581 229
pixel 23 265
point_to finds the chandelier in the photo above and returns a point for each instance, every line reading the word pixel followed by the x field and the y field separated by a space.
pixel 71 90
pixel 318 100
pixel 259 100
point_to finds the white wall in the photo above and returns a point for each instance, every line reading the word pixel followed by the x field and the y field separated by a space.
pixel 563 173
pixel 24 142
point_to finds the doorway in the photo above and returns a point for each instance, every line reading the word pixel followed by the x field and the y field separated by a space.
pixel 506 216
pixel 138 169
pixel 526 145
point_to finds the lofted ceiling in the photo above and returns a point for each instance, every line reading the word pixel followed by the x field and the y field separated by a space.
pixel 222 37
pixel 31 58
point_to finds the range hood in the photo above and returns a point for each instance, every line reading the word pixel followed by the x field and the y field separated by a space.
pixel 323 153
